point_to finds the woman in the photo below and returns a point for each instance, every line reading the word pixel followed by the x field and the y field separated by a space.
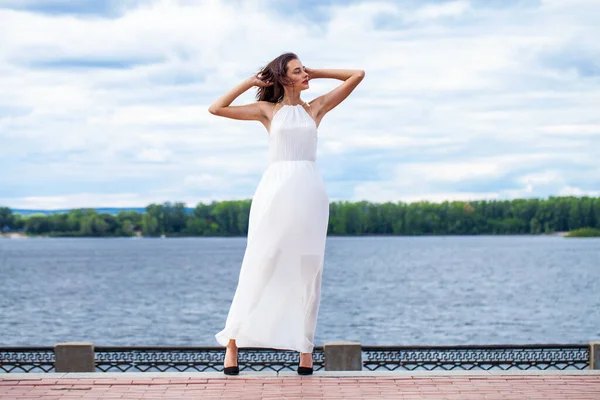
pixel 279 287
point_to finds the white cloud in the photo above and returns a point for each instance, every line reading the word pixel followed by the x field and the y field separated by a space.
pixel 431 180
pixel 449 171
pixel 374 191
pixel 154 115
pixel 575 129
pixel 92 200
pixel 575 191
pixel 456 95
pixel 207 181
pixel 154 155
pixel 473 168
pixel 542 178
pixel 434 11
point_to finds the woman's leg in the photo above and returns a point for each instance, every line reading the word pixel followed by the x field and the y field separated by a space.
pixel 306 360
pixel 231 354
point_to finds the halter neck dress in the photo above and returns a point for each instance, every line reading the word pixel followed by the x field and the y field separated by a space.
pixel 277 298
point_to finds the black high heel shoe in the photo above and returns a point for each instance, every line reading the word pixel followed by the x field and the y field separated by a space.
pixel 231 370
pixel 305 370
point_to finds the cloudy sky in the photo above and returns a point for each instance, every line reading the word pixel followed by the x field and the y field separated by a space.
pixel 104 102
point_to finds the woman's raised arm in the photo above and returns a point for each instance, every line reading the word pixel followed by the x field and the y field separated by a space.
pixel 254 111
pixel 326 102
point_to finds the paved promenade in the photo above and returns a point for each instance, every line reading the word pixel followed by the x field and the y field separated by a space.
pixel 548 385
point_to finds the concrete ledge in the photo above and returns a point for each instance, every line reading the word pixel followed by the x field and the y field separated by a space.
pixel 74 356
pixel 343 356
pixel 595 355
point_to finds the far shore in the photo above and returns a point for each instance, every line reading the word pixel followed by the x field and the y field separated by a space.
pixel 14 235
pixel 21 235
pixel 557 233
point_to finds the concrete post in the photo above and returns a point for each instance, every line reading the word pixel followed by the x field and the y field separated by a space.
pixel 594 355
pixel 343 356
pixel 74 357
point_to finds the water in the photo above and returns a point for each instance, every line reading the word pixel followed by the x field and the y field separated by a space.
pixel 376 290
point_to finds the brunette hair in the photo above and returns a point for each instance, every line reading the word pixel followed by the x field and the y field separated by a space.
pixel 275 72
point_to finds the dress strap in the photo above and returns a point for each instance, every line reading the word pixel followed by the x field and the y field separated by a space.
pixel 305 103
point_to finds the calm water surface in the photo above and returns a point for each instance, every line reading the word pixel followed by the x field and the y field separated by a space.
pixel 376 290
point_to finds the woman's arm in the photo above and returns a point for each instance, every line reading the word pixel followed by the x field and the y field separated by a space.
pixel 254 111
pixel 326 102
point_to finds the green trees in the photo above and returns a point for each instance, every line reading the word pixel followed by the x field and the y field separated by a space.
pixel 6 217
pixel 584 232
pixel 230 218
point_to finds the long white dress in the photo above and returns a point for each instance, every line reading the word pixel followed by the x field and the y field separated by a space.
pixel 279 287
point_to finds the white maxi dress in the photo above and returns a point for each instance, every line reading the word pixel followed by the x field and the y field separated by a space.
pixel 279 286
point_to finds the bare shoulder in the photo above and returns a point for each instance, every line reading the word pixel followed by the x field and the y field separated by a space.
pixel 316 101
pixel 266 109
pixel 316 106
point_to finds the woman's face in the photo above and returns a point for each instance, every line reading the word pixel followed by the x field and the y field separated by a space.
pixel 297 74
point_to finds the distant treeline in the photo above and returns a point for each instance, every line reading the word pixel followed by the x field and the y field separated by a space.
pixel 230 218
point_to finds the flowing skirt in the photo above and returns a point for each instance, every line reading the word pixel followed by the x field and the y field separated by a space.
pixel 279 286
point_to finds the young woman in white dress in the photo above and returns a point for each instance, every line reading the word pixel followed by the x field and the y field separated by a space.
pixel 279 287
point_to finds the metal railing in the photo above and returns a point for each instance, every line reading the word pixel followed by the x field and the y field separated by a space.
pixel 473 357
pixel 372 358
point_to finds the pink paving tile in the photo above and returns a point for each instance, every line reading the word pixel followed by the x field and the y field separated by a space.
pixel 547 387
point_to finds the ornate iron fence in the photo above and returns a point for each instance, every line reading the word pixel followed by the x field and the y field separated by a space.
pixel 202 359
pixel 472 357
pixel 27 359
pixel 386 358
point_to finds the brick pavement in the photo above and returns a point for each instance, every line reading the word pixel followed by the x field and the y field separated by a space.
pixel 561 385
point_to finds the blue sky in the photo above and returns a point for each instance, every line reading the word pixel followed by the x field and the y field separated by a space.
pixel 104 102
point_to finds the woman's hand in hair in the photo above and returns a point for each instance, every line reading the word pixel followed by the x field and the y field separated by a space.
pixel 254 111
pixel 310 72
pixel 256 81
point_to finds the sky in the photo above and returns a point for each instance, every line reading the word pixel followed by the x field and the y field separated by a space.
pixel 104 103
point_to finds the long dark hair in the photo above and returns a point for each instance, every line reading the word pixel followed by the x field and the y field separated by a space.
pixel 275 71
